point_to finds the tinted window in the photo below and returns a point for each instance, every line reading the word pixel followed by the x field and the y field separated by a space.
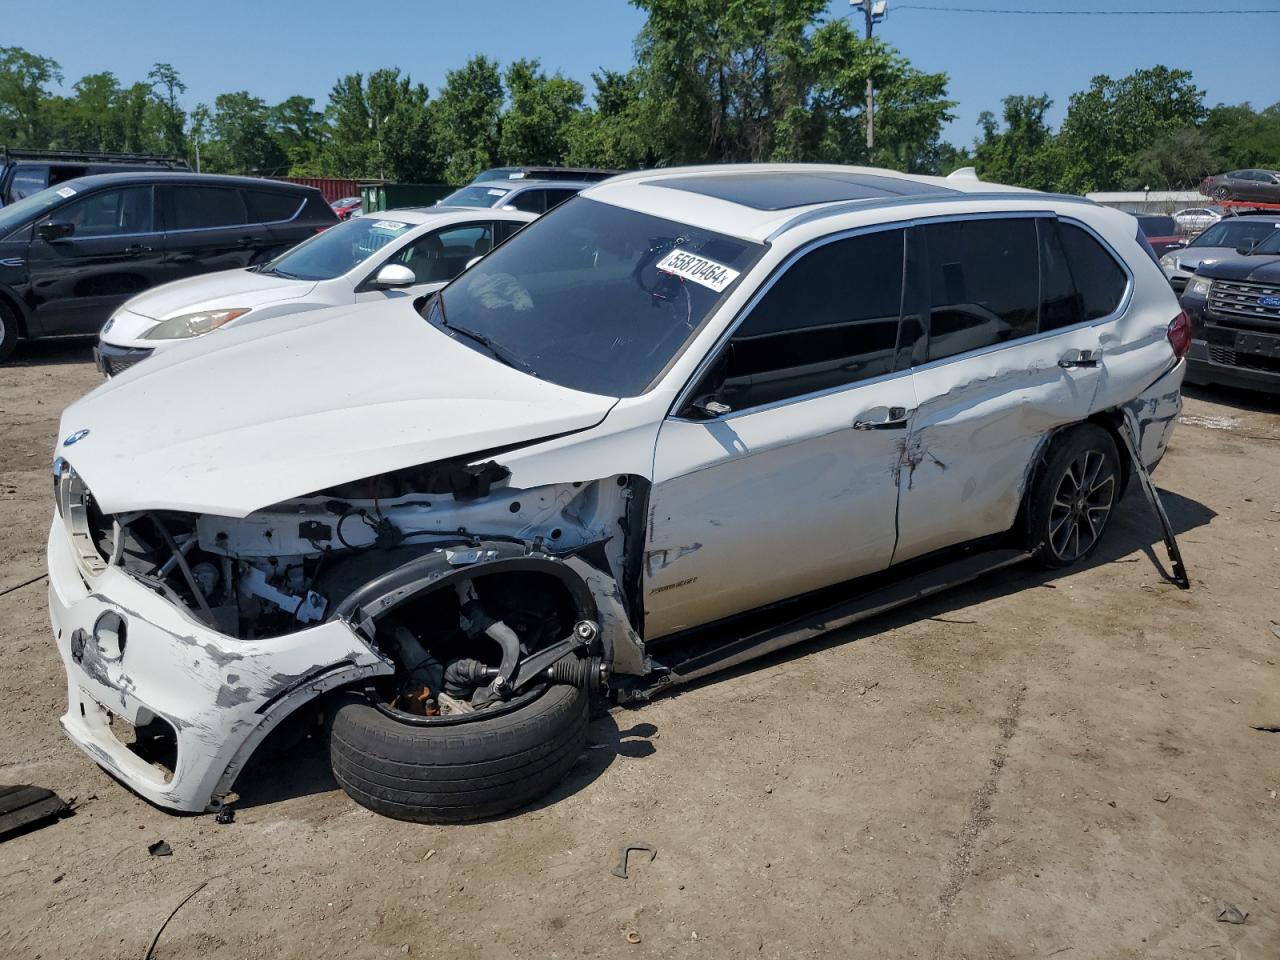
pixel 1158 226
pixel 109 213
pixel 1098 277
pixel 443 254
pixel 984 283
pixel 1060 302
pixel 830 320
pixel 557 197
pixel 530 201
pixel 196 208
pixel 267 206
pixel 577 297
pixel 506 228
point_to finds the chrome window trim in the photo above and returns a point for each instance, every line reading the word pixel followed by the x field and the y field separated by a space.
pixel 685 395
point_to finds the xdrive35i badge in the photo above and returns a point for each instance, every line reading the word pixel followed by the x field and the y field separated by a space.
pixel 75 437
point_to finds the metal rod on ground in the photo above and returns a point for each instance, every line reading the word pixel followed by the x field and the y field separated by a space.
pixel 1129 433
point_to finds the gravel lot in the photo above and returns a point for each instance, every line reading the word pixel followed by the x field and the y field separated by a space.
pixel 1035 766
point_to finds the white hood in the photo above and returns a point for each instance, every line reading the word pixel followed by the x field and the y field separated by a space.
pixel 227 288
pixel 250 416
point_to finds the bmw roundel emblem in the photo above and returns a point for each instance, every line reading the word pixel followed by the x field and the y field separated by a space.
pixel 1269 301
pixel 75 437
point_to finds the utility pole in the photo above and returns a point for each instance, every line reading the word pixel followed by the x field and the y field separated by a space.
pixel 873 11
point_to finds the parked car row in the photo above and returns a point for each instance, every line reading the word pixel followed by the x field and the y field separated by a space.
pixel 687 418
pixel 71 255
pixel 1259 186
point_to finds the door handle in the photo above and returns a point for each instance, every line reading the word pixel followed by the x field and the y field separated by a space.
pixel 136 248
pixel 244 241
pixel 1074 359
pixel 884 418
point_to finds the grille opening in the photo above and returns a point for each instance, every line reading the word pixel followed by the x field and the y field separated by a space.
pixel 154 740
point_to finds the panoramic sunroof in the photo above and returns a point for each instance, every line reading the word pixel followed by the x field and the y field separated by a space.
pixel 781 190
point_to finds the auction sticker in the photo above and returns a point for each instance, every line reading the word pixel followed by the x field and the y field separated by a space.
pixel 389 225
pixel 690 266
pixel 67 192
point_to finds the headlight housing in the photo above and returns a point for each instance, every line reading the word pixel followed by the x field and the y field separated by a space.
pixel 1199 287
pixel 193 324
pixel 1170 261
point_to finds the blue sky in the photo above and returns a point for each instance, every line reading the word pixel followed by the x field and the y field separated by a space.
pixel 275 48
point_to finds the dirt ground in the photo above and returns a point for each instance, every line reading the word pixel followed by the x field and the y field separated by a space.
pixel 1035 766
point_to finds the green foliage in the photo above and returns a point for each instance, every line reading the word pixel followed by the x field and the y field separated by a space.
pixel 380 128
pixel 534 129
pixel 467 118
pixel 241 137
pixel 1023 152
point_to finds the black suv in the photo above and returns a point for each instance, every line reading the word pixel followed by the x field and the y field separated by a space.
pixel 1234 305
pixel 24 172
pixel 71 254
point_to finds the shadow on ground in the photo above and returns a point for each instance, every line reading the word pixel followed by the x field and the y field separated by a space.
pixel 40 353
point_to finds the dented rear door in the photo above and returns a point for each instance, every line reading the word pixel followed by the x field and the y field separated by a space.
pixel 999 375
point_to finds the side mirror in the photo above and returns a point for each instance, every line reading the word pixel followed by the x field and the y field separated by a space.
pixel 52 231
pixel 393 276
pixel 710 408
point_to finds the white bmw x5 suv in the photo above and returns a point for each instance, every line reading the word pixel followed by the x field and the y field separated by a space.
pixel 687 418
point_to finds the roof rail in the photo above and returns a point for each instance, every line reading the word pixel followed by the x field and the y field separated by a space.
pixel 9 154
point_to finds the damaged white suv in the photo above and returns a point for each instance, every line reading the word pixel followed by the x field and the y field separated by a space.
pixel 685 419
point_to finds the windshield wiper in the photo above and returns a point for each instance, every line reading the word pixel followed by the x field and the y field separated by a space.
pixel 498 353
pixel 276 272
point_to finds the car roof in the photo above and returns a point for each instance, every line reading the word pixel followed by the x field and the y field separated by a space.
pixel 450 214
pixel 757 201
pixel 181 176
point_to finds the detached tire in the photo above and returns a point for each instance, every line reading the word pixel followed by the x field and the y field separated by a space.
pixel 454 772
pixel 1074 495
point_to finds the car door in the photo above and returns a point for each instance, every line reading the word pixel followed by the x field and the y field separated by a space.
pixel 529 201
pixel 1014 351
pixel 90 255
pixel 435 258
pixel 791 485
pixel 206 228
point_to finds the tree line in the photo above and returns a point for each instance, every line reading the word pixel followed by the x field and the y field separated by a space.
pixel 711 82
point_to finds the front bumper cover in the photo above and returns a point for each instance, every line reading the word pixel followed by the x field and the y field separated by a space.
pixel 221 695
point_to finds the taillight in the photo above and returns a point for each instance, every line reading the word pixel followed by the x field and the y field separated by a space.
pixel 1180 334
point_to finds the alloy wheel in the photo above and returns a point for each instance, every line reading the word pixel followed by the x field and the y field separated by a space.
pixel 1081 505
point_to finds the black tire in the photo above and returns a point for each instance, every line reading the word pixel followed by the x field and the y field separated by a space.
pixel 455 772
pixel 1074 495
pixel 8 331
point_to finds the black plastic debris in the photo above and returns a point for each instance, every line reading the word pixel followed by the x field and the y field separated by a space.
pixel 24 807
pixel 160 848
pixel 225 815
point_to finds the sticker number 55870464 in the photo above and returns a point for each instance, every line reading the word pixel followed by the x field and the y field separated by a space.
pixel 700 270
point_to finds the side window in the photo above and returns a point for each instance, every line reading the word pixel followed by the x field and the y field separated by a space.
pixel 1060 302
pixel 557 197
pixel 531 201
pixel 109 213
pixel 1098 277
pixel 267 206
pixel 984 283
pixel 830 320
pixel 202 208
pixel 506 228
pixel 443 254
pixel 28 178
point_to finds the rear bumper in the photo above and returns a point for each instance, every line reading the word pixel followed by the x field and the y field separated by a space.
pixel 219 694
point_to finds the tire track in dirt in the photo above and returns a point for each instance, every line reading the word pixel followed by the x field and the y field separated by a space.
pixel 979 810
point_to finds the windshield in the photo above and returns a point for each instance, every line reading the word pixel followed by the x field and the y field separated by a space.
pixel 594 297
pixel 496 173
pixel 1235 232
pixel 28 208
pixel 475 196
pixel 338 250
pixel 1269 245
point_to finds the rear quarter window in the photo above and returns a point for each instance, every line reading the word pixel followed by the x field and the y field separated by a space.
pixel 268 206
pixel 1100 280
